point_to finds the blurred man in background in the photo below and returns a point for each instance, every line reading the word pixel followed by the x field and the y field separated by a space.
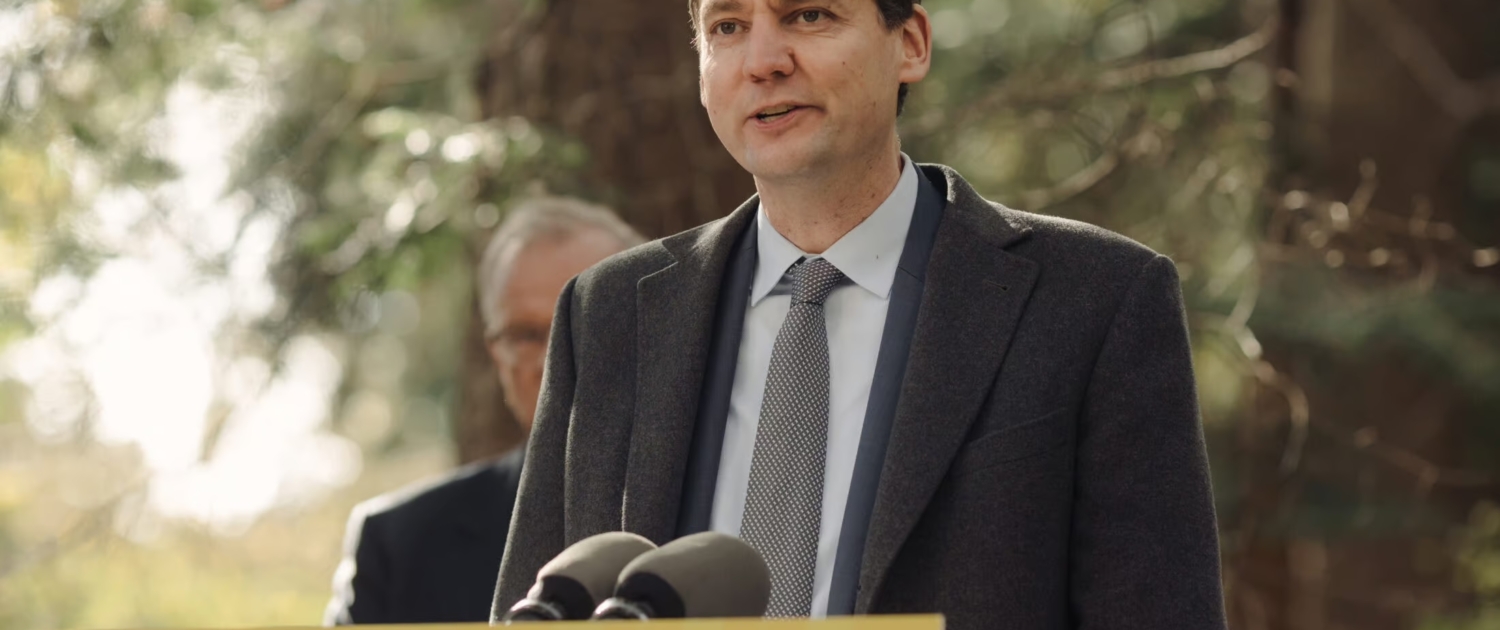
pixel 429 553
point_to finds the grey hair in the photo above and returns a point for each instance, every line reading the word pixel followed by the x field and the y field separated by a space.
pixel 531 221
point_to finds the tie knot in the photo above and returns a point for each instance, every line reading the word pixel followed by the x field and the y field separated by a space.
pixel 813 280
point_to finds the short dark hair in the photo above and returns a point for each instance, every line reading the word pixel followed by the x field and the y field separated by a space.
pixel 895 13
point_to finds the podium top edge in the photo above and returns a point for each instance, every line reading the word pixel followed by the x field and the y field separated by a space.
pixel 873 622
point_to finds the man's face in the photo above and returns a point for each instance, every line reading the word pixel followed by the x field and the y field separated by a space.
pixel 795 86
pixel 535 278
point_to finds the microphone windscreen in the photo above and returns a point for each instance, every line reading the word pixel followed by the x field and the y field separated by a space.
pixel 702 575
pixel 585 573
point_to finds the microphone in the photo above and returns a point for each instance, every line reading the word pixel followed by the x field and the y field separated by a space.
pixel 571 584
pixel 702 575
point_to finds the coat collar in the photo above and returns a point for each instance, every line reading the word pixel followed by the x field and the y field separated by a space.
pixel 973 297
pixel 675 310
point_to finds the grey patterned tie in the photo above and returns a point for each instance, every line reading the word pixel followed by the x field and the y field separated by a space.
pixel 784 505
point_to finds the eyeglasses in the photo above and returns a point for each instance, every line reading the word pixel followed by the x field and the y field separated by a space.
pixel 516 343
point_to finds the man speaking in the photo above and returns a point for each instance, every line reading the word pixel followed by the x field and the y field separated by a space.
pixel 906 397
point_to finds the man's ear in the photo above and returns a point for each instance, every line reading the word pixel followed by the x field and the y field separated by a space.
pixel 916 46
pixel 702 70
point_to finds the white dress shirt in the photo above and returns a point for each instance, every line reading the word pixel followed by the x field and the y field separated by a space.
pixel 855 313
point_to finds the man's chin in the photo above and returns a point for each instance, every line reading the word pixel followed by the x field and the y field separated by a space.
pixel 779 162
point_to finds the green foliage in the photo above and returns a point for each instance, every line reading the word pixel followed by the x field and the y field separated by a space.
pixel 1478 550
pixel 338 98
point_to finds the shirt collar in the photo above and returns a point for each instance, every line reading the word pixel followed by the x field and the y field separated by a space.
pixel 867 254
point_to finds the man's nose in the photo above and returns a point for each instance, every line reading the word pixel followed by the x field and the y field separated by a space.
pixel 770 54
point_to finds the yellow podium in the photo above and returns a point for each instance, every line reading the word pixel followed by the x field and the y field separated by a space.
pixel 877 622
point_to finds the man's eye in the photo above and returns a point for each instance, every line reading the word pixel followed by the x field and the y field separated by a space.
pixel 726 28
pixel 811 16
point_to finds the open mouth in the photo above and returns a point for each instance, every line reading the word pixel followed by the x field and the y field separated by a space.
pixel 776 113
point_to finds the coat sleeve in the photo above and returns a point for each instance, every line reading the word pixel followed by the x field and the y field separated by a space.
pixel 536 525
pixel 1145 550
pixel 360 589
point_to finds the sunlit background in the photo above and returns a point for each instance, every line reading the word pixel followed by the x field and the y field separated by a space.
pixel 236 242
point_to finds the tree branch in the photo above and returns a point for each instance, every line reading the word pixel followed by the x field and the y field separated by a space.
pixel 1132 141
pixel 1018 93
pixel 1090 176
pixel 1460 99
pixel 1143 73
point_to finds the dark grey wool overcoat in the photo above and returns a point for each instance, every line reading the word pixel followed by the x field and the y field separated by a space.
pixel 1045 465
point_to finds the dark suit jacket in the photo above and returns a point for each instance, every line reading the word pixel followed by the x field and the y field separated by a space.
pixel 427 554
pixel 1045 466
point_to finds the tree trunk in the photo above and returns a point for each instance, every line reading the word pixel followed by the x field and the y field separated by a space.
pixel 621 77
pixel 1386 106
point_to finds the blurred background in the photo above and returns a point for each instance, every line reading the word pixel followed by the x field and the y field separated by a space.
pixel 236 242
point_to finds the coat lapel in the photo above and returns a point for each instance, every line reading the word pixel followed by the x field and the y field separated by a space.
pixel 974 296
pixel 675 310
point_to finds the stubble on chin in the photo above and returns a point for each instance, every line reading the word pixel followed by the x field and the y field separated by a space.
pixel 788 161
